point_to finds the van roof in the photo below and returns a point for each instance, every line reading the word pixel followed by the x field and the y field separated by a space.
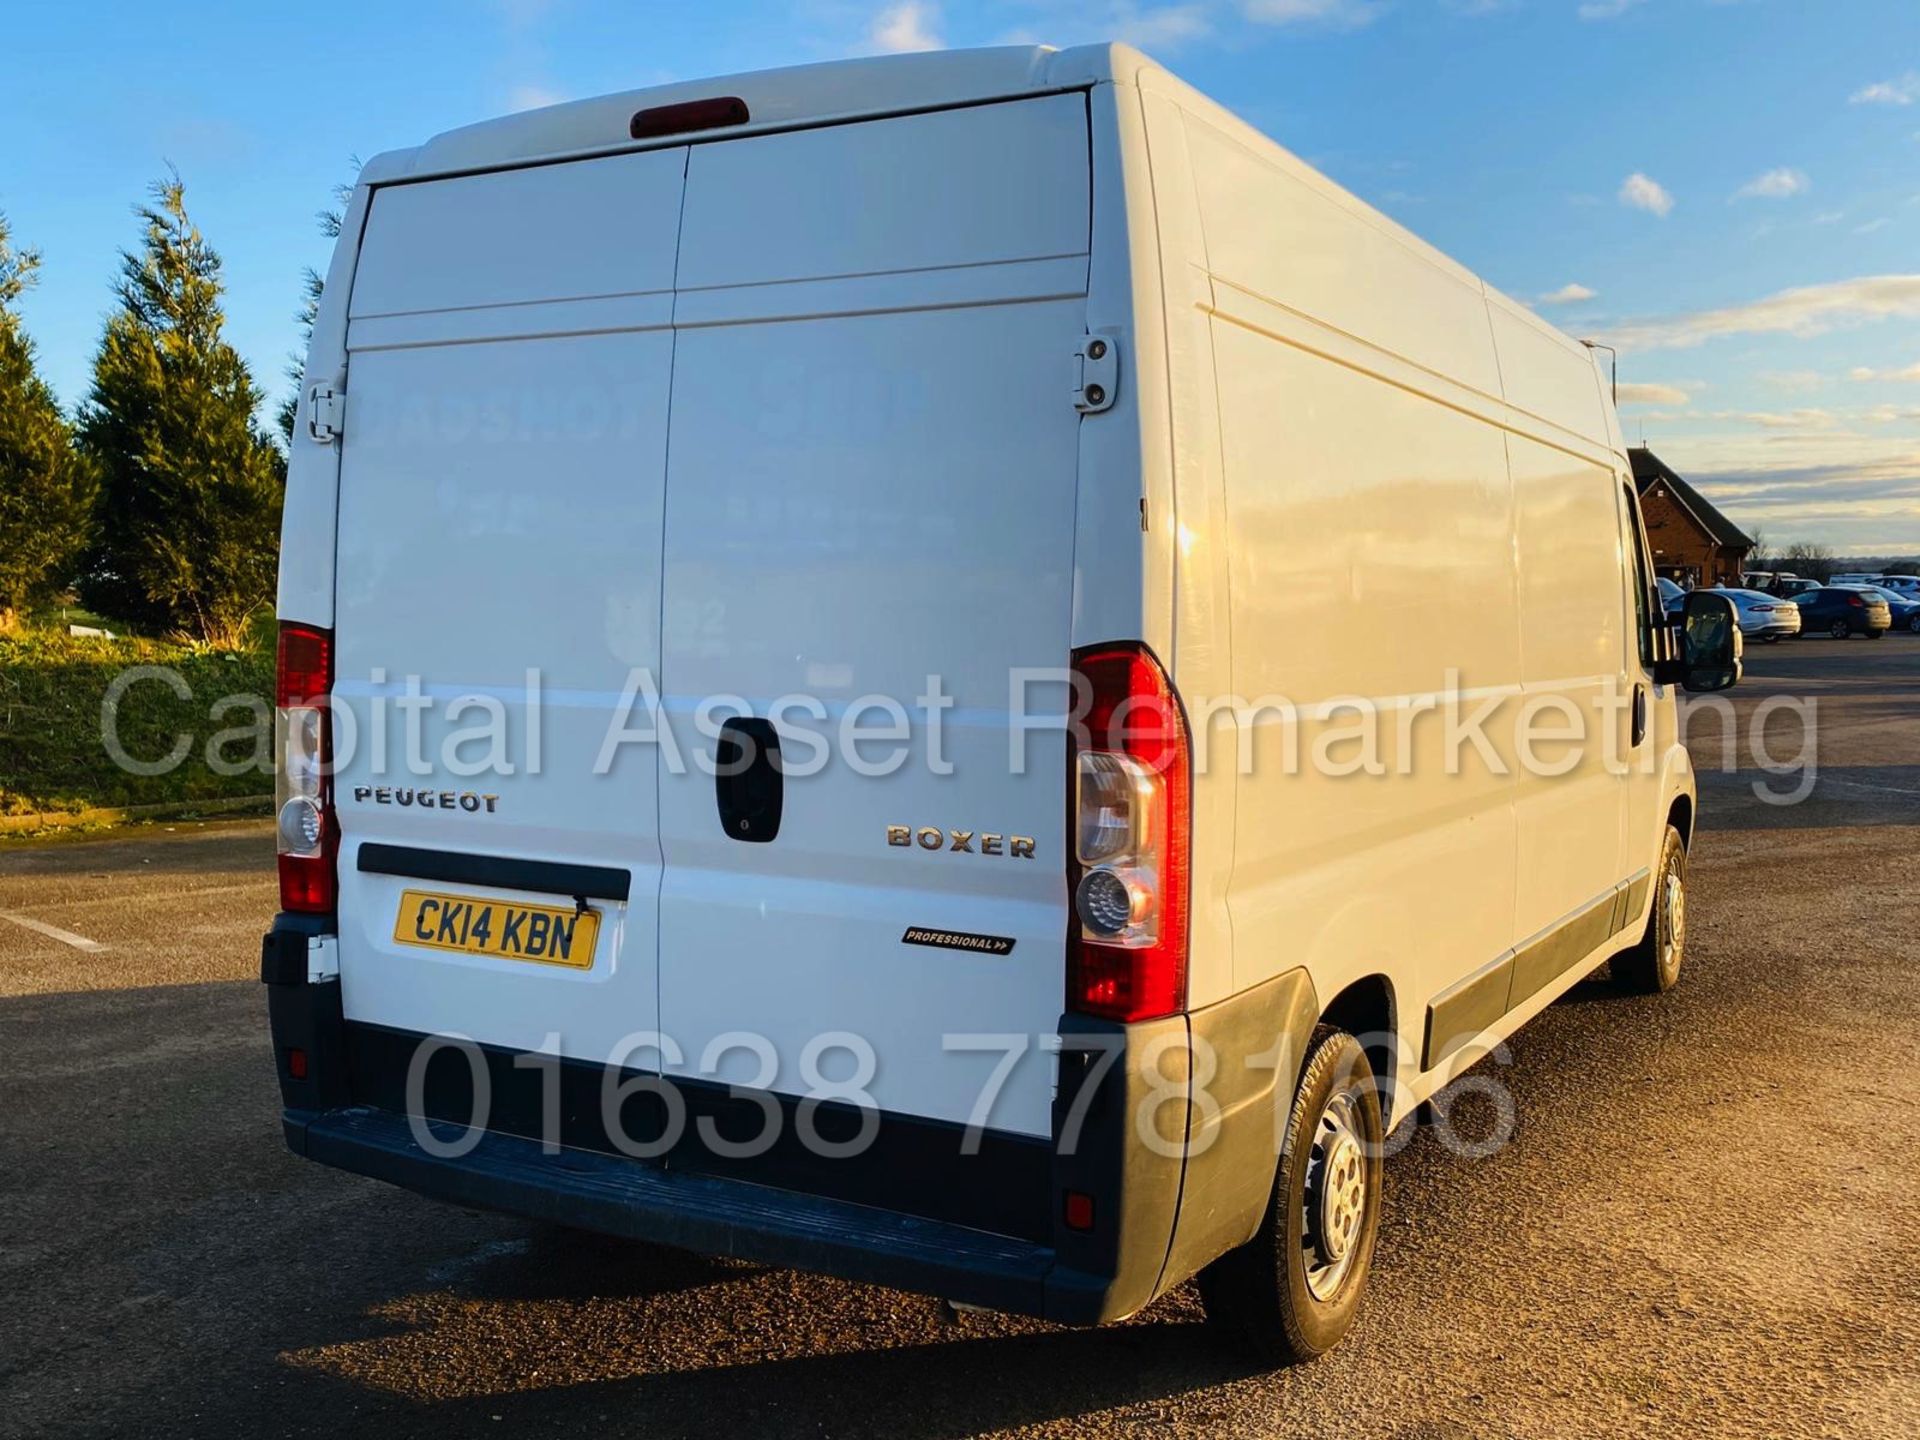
pixel 775 99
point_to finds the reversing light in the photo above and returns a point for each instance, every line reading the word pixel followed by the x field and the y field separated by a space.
pixel 1128 873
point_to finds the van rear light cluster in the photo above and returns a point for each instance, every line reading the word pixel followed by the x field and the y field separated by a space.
pixel 305 828
pixel 1131 776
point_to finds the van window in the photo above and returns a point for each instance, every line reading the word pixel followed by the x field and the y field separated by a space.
pixel 1643 603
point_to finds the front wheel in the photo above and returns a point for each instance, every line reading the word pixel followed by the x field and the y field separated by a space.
pixel 1290 1293
pixel 1654 964
pixel 1840 630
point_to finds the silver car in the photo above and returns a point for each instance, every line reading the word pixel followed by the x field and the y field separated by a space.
pixel 1762 616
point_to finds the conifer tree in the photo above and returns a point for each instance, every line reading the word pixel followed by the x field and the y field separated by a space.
pixel 312 284
pixel 190 487
pixel 45 502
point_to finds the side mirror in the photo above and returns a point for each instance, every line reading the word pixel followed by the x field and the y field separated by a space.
pixel 1707 636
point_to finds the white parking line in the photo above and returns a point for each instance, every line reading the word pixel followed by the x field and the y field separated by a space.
pixel 52 932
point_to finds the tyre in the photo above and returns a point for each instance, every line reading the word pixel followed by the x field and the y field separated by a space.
pixel 1653 965
pixel 1840 630
pixel 1874 634
pixel 1773 639
pixel 1290 1293
pixel 1913 623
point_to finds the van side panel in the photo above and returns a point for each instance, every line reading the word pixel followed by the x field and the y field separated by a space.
pixel 1188 517
pixel 1573 652
pixel 1366 504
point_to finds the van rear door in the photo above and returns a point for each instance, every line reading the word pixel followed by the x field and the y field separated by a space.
pixel 501 492
pixel 870 493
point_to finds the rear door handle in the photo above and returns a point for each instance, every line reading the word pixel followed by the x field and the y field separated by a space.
pixel 748 782
pixel 1639 713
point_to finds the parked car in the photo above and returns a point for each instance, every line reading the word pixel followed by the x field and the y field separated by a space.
pixel 1905 608
pixel 1673 597
pixel 1843 610
pixel 1794 585
pixel 1901 584
pixel 1762 616
pixel 1853 577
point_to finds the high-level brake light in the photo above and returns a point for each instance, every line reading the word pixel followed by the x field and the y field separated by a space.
pixel 1131 776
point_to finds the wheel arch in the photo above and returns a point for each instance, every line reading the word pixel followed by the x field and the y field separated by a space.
pixel 1368 1009
pixel 1680 817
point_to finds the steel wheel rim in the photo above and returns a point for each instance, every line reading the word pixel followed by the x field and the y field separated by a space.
pixel 1336 1200
pixel 1674 939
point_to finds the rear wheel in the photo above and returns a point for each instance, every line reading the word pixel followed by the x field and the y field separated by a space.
pixel 1773 639
pixel 1913 623
pixel 1654 964
pixel 1875 634
pixel 1291 1293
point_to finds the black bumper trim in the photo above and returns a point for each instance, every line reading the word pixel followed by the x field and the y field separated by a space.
pixel 705 1213
pixel 910 1164
pixel 591 882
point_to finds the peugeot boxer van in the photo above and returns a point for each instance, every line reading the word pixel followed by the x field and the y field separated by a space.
pixel 870 664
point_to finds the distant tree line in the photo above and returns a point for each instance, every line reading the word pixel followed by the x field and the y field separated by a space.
pixel 159 499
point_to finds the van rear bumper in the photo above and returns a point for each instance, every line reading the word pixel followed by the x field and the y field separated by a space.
pixel 986 1228
pixel 706 1213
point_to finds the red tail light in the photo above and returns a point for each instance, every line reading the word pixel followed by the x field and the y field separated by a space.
pixel 1856 602
pixel 1131 773
pixel 306 830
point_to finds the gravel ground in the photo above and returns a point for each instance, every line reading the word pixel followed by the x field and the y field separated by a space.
pixel 1707 1221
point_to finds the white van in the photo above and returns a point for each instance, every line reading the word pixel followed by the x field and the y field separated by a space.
pixel 800 595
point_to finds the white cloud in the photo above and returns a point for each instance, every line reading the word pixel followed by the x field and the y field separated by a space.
pixel 1908 373
pixel 909 25
pixel 1829 217
pixel 1570 294
pixel 1645 394
pixel 1164 28
pixel 1796 382
pixel 1903 91
pixel 1871 226
pixel 1788 420
pixel 532 97
pixel 1341 14
pixel 1782 184
pixel 1807 310
pixel 1644 193
pixel 1607 9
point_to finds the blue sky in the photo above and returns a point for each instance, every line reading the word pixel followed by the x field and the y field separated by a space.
pixel 1736 182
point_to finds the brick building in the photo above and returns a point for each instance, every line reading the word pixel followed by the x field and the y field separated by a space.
pixel 1692 542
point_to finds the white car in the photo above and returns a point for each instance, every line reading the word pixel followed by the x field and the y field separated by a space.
pixel 825 840
pixel 1762 616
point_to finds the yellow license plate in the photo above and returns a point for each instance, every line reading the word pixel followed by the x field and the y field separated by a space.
pixel 505 929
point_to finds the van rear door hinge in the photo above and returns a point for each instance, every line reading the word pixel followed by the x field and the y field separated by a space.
pixel 326 412
pixel 1096 373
